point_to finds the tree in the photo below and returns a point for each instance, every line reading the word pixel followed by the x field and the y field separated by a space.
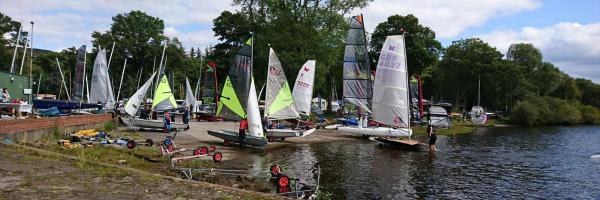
pixel 567 89
pixel 296 30
pixel 422 49
pixel 546 78
pixel 590 92
pixel 525 54
pixel 464 62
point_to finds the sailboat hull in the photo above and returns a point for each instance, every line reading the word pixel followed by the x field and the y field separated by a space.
pixel 284 133
pixel 232 136
pixel 151 124
pixel 376 131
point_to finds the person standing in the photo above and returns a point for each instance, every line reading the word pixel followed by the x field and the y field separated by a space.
pixel 167 122
pixel 432 138
pixel 242 132
pixel 5 95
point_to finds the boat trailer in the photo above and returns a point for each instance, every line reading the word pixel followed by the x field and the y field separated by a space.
pixel 284 185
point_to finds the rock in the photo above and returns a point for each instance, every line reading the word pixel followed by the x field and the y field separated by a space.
pixel 235 185
pixel 122 162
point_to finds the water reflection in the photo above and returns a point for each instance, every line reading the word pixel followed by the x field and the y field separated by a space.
pixel 548 162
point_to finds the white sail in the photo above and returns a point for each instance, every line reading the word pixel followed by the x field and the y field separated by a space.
pixel 279 103
pixel 254 123
pixel 303 88
pixel 390 90
pixel 101 89
pixel 133 104
pixel 190 99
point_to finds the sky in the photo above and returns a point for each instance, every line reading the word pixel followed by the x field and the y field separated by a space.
pixel 567 32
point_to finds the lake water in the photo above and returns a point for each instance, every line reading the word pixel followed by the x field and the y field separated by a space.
pixel 545 162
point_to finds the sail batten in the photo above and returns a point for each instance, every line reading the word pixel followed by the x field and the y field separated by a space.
pixel 357 72
pixel 279 102
pixel 391 93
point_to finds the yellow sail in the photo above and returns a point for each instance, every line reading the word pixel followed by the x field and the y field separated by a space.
pixel 163 99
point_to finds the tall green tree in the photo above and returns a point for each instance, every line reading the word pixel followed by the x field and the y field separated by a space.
pixel 525 54
pixel 464 62
pixel 296 30
pixel 422 49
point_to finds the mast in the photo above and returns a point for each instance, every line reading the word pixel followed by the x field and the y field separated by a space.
pixel 63 79
pixel 38 86
pixel 478 89
pixel 110 57
pixel 84 74
pixel 23 59
pixel 31 60
pixel 407 82
pixel 12 64
pixel 160 72
pixel 121 82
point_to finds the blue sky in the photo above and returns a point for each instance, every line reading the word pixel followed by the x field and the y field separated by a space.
pixel 567 32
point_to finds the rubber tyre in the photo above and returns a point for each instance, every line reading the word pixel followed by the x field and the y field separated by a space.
pixel 149 143
pixel 283 181
pixel 196 152
pixel 217 157
pixel 212 148
pixel 130 144
pixel 285 189
pixel 204 150
pixel 271 139
pixel 275 170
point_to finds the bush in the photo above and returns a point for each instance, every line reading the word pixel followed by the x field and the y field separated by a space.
pixel 552 111
pixel 525 113
pixel 589 114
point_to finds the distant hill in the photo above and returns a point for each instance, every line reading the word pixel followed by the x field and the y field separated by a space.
pixel 36 52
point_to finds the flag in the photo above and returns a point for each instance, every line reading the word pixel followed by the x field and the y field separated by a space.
pixel 249 42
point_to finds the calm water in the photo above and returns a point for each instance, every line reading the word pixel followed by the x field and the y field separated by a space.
pixel 548 162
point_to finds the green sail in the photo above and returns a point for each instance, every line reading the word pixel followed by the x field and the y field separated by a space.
pixel 283 99
pixel 163 99
pixel 230 100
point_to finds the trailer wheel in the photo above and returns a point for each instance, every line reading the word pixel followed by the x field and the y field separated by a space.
pixel 130 144
pixel 283 181
pixel 226 143
pixel 217 157
pixel 204 150
pixel 149 143
pixel 212 148
pixel 271 139
pixel 275 170
pixel 196 152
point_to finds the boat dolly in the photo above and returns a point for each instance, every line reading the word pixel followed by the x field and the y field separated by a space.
pixel 283 183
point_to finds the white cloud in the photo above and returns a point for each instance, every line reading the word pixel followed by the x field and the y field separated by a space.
pixel 446 17
pixel 63 23
pixel 573 47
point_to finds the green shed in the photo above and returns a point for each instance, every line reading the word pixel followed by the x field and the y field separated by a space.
pixel 17 85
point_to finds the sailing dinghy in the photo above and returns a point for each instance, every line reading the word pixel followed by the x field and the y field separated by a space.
pixel 356 77
pixel 238 97
pixel 279 101
pixel 391 104
pixel 390 93
pixel 478 114
pixel 163 100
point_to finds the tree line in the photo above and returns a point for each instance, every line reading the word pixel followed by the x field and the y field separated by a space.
pixel 314 29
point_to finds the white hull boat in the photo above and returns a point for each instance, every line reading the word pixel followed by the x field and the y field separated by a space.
pixel 376 131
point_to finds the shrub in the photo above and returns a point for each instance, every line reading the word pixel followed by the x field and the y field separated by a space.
pixel 108 126
pixel 525 113
pixel 589 114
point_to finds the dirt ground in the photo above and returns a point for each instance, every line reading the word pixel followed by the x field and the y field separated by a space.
pixel 197 137
pixel 28 175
